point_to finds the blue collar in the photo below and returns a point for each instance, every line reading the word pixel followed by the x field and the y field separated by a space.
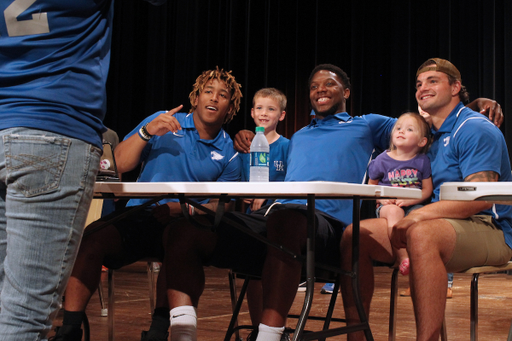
pixel 218 142
pixel 341 116
pixel 451 120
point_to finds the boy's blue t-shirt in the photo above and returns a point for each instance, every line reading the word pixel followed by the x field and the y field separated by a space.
pixel 185 157
pixel 277 165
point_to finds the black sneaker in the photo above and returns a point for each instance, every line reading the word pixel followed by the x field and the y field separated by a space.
pixel 67 333
pixel 154 335
pixel 285 336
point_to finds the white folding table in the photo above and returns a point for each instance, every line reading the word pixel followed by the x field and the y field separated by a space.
pixel 303 190
pixel 495 192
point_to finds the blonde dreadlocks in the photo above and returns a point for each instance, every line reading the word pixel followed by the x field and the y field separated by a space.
pixel 224 77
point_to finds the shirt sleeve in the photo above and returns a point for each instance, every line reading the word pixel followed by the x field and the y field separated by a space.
pixel 374 172
pixel 427 168
pixel 232 172
pixel 381 127
pixel 478 147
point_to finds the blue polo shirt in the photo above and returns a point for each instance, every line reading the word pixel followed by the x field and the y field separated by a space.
pixel 184 156
pixel 468 143
pixel 336 148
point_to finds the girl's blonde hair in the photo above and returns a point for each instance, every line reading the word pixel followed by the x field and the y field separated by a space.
pixel 424 130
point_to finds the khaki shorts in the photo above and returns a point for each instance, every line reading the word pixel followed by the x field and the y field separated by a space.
pixel 478 243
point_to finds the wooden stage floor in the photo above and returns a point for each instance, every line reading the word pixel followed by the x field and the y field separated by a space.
pixel 132 313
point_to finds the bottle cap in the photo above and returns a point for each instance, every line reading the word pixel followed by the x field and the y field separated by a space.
pixel 262 129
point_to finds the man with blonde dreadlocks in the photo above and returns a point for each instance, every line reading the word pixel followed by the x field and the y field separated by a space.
pixel 171 146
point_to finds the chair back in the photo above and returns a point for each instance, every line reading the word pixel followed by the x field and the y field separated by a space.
pixel 108 168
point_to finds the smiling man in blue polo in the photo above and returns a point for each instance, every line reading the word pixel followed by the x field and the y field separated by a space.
pixel 171 146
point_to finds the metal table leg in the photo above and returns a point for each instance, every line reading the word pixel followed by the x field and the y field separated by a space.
pixel 310 281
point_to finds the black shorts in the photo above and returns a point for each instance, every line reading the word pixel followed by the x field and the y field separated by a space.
pixel 242 253
pixel 141 236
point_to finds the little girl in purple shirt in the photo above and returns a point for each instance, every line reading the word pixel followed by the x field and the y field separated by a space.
pixel 404 164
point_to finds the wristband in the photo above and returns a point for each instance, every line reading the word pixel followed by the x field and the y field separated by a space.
pixel 143 133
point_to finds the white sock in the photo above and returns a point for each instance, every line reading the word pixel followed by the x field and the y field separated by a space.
pixel 267 333
pixel 183 323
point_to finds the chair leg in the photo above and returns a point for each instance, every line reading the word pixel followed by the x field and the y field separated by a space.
pixel 104 310
pixel 444 333
pixel 152 284
pixel 392 305
pixel 510 333
pixel 87 328
pixel 474 307
pixel 111 305
pixel 236 303
pixel 232 294
pixel 332 304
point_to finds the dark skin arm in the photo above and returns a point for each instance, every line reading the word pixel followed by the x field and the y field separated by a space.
pixel 127 153
pixel 489 108
pixel 485 106
pixel 243 141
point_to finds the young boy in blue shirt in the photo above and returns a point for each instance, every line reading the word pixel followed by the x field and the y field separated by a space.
pixel 268 110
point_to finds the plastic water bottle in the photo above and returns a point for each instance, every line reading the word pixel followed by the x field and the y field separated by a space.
pixel 259 157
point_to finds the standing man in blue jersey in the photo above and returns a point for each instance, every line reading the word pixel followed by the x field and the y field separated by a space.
pixel 54 58
pixel 171 146
pixel 447 236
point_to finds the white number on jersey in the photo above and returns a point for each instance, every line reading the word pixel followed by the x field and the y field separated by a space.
pixel 37 25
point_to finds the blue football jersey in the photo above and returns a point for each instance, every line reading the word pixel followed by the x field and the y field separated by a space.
pixel 54 59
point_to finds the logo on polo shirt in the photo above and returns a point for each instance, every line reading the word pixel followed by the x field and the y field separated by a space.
pixel 446 141
pixel 216 156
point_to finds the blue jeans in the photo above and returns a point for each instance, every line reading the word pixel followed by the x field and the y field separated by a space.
pixel 46 186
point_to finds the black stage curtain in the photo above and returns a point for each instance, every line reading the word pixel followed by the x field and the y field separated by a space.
pixel 159 51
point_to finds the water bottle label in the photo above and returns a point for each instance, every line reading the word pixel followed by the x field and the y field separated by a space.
pixel 259 159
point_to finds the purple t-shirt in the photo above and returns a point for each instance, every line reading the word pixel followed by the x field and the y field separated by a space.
pixel 398 173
